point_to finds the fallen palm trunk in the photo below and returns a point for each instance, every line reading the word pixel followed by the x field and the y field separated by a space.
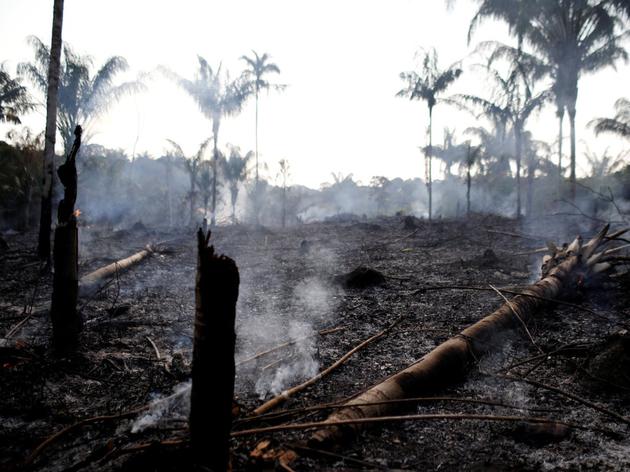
pixel 565 271
pixel 66 320
pixel 91 282
pixel 213 366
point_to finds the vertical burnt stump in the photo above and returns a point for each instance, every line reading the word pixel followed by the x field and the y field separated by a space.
pixel 66 320
pixel 213 366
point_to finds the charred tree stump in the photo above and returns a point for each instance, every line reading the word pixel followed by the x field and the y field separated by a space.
pixel 66 320
pixel 213 365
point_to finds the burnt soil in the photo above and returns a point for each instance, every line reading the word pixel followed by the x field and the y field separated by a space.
pixel 288 280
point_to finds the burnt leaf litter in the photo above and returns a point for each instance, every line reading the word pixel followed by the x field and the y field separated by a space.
pixel 135 348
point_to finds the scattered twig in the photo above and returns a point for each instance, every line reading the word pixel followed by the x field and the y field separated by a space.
pixel 51 439
pixel 284 396
pixel 511 292
pixel 28 308
pixel 385 243
pixel 127 414
pixel 513 309
pixel 540 356
pixel 308 451
pixel 516 235
pixel 570 395
pixel 398 401
pixel 429 417
pixel 289 343
pixel 155 348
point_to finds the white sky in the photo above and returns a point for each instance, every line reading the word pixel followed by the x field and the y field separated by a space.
pixel 340 59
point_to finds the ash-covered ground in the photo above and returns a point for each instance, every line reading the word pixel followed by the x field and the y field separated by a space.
pixel 136 348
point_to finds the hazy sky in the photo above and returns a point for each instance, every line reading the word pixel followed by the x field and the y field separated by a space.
pixel 340 60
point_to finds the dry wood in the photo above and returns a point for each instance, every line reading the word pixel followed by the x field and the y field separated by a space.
pixel 511 292
pixel 94 280
pixel 399 418
pixel 322 332
pixel 213 369
pixel 284 396
pixel 570 395
pixel 95 419
pixel 400 401
pixel 563 272
pixel 54 437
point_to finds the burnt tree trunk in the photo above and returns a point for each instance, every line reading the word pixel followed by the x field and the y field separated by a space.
pixel 66 320
pixel 213 366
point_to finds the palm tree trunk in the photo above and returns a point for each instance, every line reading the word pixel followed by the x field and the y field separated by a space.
pixel 256 135
pixel 572 126
pixel 428 164
pixel 284 205
pixel 192 198
pixel 215 159
pixel 519 150
pixel 169 191
pixel 468 182
pixel 530 190
pixel 45 222
pixel 560 115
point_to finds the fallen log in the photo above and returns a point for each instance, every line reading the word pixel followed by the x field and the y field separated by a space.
pixel 566 271
pixel 91 282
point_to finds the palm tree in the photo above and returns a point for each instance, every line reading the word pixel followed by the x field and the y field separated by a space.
pixel 570 38
pixel 83 97
pixel 619 125
pixel 426 86
pixel 192 167
pixel 512 107
pixel 218 97
pixel 257 68
pixel 449 153
pixel 235 170
pixel 14 98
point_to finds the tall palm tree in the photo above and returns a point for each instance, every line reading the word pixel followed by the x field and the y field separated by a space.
pixel 570 38
pixel 257 69
pixel 619 125
pixel 235 170
pixel 52 86
pixel 513 105
pixel 426 86
pixel 83 96
pixel 218 96
pixel 14 98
